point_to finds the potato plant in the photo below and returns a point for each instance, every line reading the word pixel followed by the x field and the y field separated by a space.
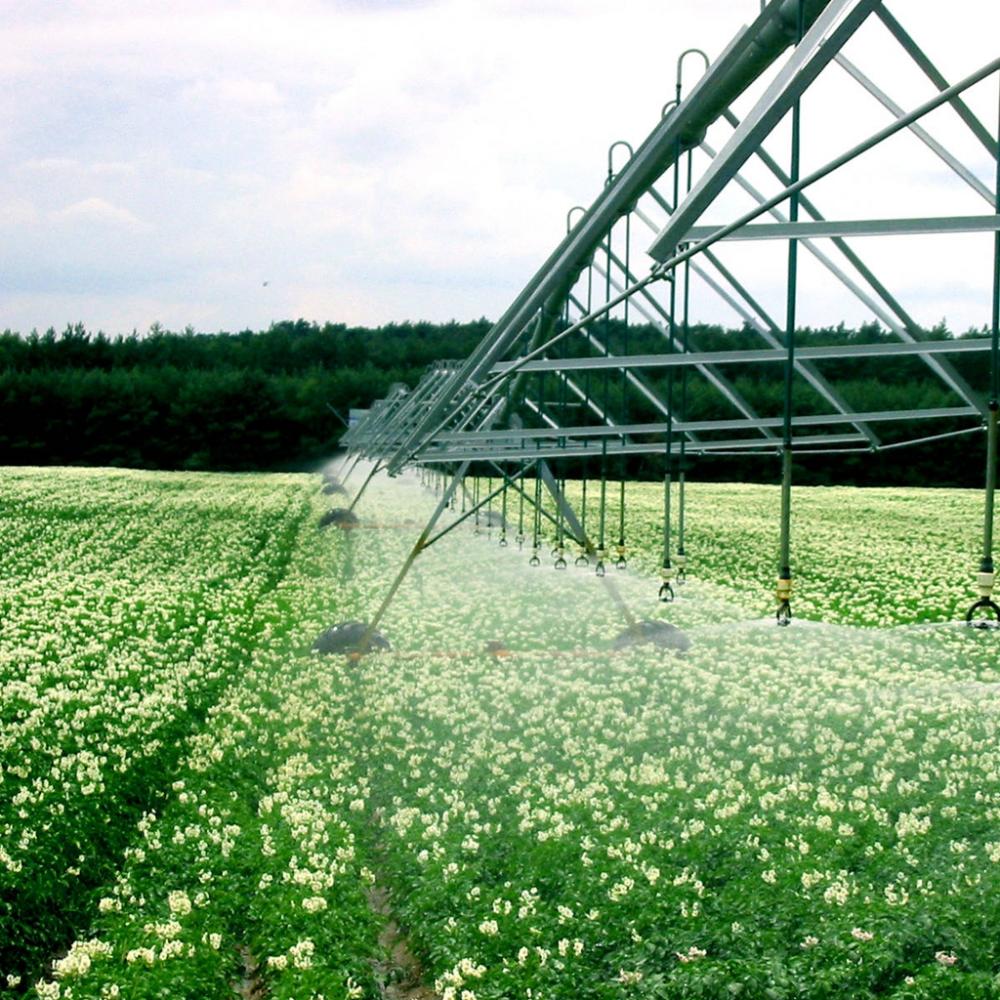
pixel 195 802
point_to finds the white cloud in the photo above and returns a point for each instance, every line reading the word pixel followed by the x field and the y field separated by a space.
pixel 66 164
pixel 244 94
pixel 384 161
pixel 17 213
pixel 96 211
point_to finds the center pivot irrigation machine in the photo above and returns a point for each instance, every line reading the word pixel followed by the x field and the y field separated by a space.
pixel 558 382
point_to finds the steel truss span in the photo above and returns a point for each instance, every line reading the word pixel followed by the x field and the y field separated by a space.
pixel 569 373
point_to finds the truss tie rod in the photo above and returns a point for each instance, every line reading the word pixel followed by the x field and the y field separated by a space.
pixel 828 168
pixel 490 384
pixel 925 137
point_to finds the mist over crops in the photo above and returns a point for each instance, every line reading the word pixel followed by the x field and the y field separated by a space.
pixel 193 801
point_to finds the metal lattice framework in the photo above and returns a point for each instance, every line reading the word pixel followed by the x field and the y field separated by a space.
pixel 570 371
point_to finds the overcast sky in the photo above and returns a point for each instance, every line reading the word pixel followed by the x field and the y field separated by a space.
pixel 224 165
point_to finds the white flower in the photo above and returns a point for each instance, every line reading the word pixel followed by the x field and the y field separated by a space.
pixel 179 903
pixel 629 978
pixel 945 958
pixel 691 955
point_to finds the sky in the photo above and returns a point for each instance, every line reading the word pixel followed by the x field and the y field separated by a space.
pixel 226 165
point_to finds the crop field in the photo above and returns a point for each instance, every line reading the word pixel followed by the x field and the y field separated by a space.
pixel 194 804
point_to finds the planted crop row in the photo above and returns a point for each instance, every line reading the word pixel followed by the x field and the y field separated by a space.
pixel 132 604
pixel 783 813
pixel 248 876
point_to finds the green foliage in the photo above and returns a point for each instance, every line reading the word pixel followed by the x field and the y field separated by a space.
pixel 228 402
pixel 248 400
pixel 194 803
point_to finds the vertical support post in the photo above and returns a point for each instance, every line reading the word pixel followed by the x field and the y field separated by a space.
pixel 583 559
pixel 534 560
pixel 666 592
pixel 503 508
pixel 560 549
pixel 520 511
pixel 784 589
pixel 681 555
pixel 986 565
pixel 666 571
pixel 986 575
pixel 620 561
pixel 601 550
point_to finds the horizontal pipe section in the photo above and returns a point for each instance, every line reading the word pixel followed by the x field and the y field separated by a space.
pixel 856 227
pixel 705 426
pixel 552 451
pixel 838 352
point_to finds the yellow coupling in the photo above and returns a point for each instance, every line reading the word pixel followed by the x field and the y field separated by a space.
pixel 680 560
pixel 984 581
pixel 784 590
pixel 620 551
pixel 666 574
pixel 602 554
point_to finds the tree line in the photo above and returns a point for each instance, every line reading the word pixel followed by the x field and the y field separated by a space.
pixel 273 399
